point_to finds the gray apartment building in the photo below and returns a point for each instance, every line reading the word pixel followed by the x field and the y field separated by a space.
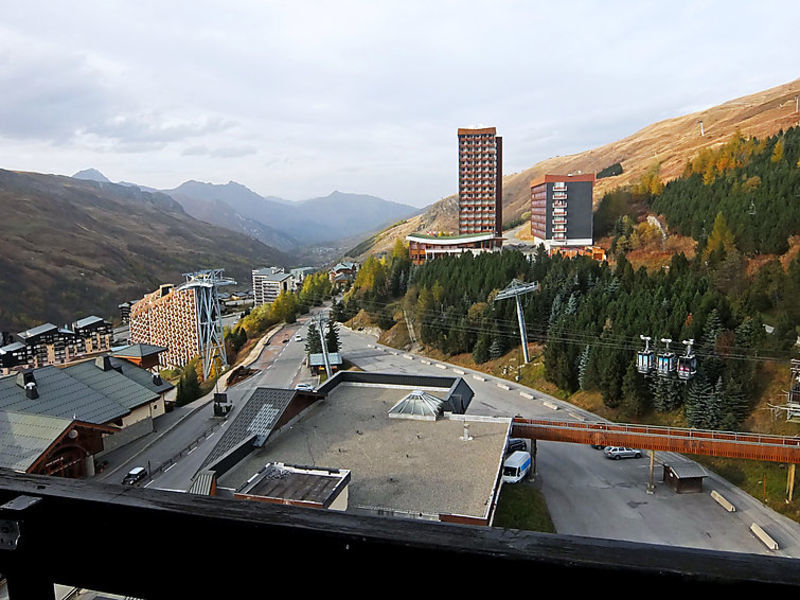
pixel 561 210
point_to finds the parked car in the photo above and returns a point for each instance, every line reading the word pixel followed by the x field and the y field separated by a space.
pixel 134 476
pixel 298 338
pixel 515 444
pixel 599 446
pixel 617 452
pixel 284 341
pixel 304 387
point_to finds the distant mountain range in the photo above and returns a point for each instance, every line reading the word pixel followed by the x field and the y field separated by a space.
pixel 288 226
pixel 71 247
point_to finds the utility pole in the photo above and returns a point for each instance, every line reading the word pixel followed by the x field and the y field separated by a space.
pixel 516 289
pixel 324 346
pixel 702 132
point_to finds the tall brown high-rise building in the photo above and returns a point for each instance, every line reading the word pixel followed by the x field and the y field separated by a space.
pixel 480 181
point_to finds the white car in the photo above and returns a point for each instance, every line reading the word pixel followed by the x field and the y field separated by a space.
pixel 304 387
pixel 617 452
pixel 298 338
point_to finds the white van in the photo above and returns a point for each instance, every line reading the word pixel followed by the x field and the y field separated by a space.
pixel 516 466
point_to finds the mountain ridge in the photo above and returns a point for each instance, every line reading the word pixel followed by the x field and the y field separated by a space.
pixel 74 247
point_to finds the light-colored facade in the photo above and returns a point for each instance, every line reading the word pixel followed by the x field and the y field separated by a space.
pixel 269 283
pixel 168 317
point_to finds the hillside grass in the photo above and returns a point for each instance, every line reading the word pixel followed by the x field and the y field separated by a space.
pixel 522 506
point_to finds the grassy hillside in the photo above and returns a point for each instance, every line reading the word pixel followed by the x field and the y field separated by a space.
pixel 71 248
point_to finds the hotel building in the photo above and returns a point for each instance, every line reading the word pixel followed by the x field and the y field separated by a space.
pixel 480 200
pixel 168 317
pixel 561 210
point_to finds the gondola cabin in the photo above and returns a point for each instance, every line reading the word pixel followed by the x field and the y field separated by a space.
pixel 645 361
pixel 666 364
pixel 687 366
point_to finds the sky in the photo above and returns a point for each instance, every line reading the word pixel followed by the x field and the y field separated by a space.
pixel 297 99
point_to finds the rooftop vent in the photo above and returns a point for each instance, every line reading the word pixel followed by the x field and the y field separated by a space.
pixel 25 377
pixel 157 379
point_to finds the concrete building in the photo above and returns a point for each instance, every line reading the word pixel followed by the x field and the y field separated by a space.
pixel 167 318
pixel 443 465
pixel 561 210
pixel 269 283
pixel 480 181
pixel 299 274
pixel 186 320
pixel 480 201
pixel 48 344
pixel 422 247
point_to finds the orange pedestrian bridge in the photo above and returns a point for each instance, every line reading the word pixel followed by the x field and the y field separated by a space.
pixel 728 444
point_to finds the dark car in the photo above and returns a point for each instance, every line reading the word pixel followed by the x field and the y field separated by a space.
pixel 134 476
pixel 515 444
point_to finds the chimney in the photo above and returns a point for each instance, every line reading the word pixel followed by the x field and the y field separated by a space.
pixel 466 437
pixel 25 377
pixel 157 379
pixel 31 393
pixel 103 363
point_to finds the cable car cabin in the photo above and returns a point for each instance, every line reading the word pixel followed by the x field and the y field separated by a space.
pixel 666 364
pixel 687 366
pixel 645 361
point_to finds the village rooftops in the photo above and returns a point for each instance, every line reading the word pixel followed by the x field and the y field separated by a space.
pixel 38 330
pixel 86 321
pixel 139 351
pixel 267 276
pixel 59 395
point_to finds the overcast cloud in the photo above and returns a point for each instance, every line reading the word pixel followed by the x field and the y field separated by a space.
pixel 296 99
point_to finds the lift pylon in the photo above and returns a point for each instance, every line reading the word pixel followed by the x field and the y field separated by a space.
pixel 516 289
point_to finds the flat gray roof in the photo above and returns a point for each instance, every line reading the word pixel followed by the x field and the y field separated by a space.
pixel 296 483
pixel 407 465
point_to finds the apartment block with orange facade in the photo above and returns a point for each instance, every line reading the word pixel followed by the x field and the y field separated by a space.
pixel 480 181
pixel 561 210
pixel 168 317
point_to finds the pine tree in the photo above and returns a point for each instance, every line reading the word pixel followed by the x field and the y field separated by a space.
pixel 583 363
pixel 332 337
pixel 634 392
pixel 496 349
pixel 480 354
pixel 313 343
